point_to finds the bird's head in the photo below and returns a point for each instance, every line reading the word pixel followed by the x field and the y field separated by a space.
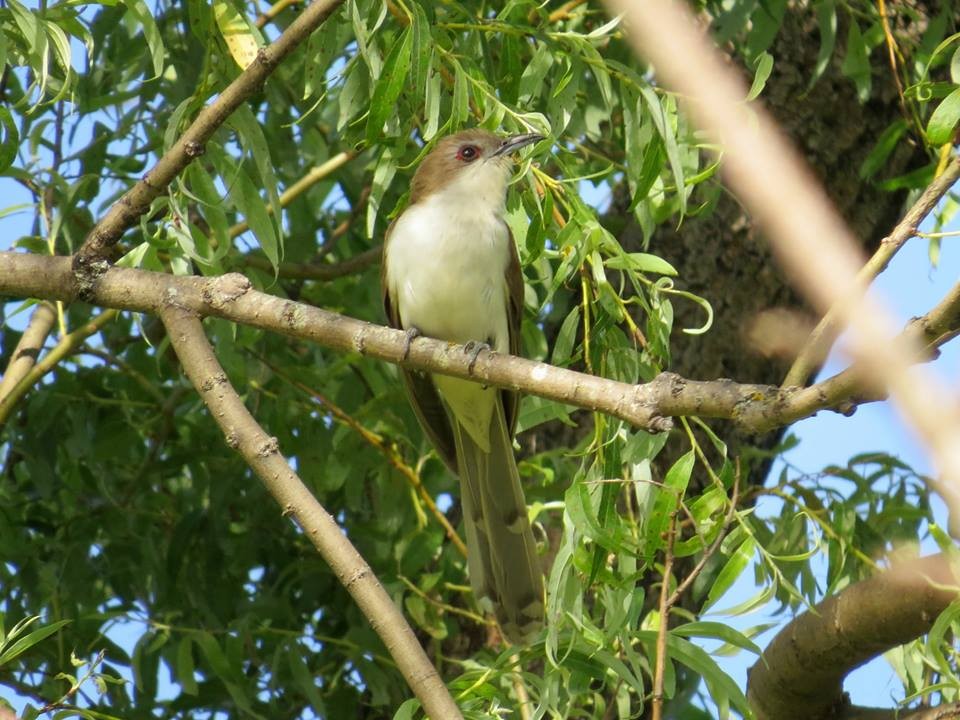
pixel 474 164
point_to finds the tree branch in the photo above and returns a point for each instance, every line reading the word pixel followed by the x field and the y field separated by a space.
pixel 263 455
pixel 648 405
pixel 311 178
pixel 66 347
pixel 90 262
pixel 823 335
pixel 25 354
pixel 800 674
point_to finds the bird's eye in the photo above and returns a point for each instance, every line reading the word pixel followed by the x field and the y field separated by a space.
pixel 468 153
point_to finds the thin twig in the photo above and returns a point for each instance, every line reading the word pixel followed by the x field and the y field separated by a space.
pixel 823 335
pixel 319 271
pixel 445 607
pixel 311 178
pixel 274 10
pixel 25 354
pixel 709 552
pixel 263 456
pixel 661 656
pixel 67 345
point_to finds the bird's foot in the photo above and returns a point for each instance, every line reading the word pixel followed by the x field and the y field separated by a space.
pixel 473 349
pixel 412 333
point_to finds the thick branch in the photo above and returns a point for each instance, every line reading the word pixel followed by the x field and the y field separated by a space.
pixel 90 261
pixel 800 674
pixel 649 405
pixel 262 453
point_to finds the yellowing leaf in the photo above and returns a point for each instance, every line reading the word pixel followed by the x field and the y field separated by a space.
pixel 237 33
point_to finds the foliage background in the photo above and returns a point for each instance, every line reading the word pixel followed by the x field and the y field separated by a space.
pixel 121 505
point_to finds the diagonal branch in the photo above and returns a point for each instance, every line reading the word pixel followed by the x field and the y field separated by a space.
pixel 800 674
pixel 262 453
pixel 67 346
pixel 90 261
pixel 826 331
pixel 25 354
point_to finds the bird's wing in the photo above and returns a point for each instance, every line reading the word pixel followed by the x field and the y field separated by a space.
pixel 420 388
pixel 514 278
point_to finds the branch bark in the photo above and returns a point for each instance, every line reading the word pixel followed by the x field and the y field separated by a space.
pixel 262 453
pixel 648 405
pixel 800 674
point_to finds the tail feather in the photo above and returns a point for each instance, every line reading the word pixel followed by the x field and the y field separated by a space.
pixel 502 557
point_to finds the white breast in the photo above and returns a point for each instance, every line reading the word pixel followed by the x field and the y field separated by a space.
pixel 446 272
pixel 446 264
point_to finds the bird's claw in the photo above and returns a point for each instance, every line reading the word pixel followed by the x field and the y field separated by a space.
pixel 473 349
pixel 412 333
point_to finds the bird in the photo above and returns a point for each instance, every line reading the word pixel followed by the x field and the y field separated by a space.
pixel 451 272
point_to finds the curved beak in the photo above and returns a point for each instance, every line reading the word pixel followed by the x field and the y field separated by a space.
pixel 515 142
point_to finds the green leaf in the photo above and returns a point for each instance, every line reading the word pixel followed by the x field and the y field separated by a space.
pixel 944 120
pixel 535 411
pixel 532 79
pixel 936 638
pixel 248 201
pixel 665 129
pixel 431 102
pixel 18 647
pixel 407 709
pixel 881 151
pixel 763 65
pixel 722 687
pixel 826 11
pixel 183 667
pixel 856 62
pixel 158 54
pixel 388 88
pixel 566 337
pixel 460 108
pixel 252 138
pixel 363 33
pixel 10 139
pixel 305 680
pixel 422 51
pixel 325 44
pixel 214 655
pixel 382 176
pixel 719 631
pixel 641 262
pixel 738 561
pixel 666 501
pixel 732 21
pixel 242 39
pixel 353 97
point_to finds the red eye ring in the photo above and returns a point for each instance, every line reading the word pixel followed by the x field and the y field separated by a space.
pixel 468 153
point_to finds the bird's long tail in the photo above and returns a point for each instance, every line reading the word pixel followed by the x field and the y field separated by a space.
pixel 504 569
